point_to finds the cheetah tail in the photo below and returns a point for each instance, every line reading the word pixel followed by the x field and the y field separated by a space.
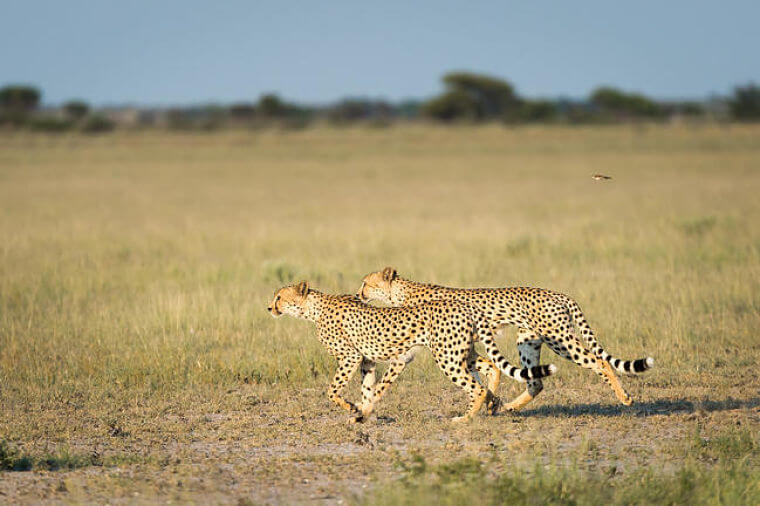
pixel 629 366
pixel 622 366
pixel 516 373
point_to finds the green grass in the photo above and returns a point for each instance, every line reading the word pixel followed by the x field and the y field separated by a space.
pixel 135 270
pixel 63 459
pixel 468 481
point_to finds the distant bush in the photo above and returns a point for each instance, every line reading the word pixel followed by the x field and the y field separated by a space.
pixel 619 104
pixel 536 111
pixel 97 124
pixel 685 108
pixel 76 109
pixel 745 104
pixel 178 119
pixel 242 111
pixel 272 110
pixel 295 123
pixel 409 108
pixel 357 109
pixel 50 124
pixel 270 106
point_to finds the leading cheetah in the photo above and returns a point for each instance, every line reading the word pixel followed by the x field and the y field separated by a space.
pixel 542 317
pixel 357 334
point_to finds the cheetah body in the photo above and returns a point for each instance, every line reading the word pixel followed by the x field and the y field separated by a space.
pixel 358 335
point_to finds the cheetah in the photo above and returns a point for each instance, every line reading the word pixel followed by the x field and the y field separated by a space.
pixel 542 317
pixel 359 335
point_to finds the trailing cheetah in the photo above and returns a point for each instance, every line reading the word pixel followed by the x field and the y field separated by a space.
pixel 360 335
pixel 542 317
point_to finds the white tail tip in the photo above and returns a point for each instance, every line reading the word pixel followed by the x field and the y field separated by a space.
pixel 552 368
pixel 650 362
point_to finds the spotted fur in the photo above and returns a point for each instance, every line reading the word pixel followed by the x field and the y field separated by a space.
pixel 358 335
pixel 542 317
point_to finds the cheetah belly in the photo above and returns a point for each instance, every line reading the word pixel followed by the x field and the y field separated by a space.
pixel 390 348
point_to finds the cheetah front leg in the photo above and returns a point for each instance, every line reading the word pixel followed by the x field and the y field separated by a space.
pixel 529 347
pixel 346 369
pixel 368 386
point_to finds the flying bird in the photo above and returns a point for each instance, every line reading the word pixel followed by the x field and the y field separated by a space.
pixel 601 177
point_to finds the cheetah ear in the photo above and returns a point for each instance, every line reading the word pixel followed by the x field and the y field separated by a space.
pixel 389 274
pixel 302 288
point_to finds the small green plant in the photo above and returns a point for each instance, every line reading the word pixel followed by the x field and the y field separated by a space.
pixel 733 445
pixel 11 460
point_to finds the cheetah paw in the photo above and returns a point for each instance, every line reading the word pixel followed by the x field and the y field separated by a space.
pixel 493 405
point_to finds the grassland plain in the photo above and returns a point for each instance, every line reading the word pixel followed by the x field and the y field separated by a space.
pixel 138 363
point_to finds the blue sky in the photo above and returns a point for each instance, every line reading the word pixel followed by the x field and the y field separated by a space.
pixel 182 52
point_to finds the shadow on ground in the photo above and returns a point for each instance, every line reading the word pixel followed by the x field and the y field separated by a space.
pixel 660 407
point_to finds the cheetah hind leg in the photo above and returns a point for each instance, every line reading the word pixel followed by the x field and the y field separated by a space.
pixel 570 348
pixel 455 368
pixel 375 392
pixel 529 348
pixel 484 370
pixel 369 378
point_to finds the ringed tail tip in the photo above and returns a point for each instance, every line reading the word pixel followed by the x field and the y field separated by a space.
pixel 552 369
pixel 650 362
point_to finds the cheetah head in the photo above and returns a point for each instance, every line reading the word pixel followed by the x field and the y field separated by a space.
pixel 377 285
pixel 289 300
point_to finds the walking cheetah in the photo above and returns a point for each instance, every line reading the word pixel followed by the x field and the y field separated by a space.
pixel 542 317
pixel 357 334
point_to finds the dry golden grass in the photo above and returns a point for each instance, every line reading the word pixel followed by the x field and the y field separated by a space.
pixel 137 360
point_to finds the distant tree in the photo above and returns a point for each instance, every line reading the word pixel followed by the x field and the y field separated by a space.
pixel 495 97
pixel 620 104
pixel 19 98
pixel 17 102
pixel 452 105
pixel 745 104
pixel 473 96
pixel 271 106
pixel 76 109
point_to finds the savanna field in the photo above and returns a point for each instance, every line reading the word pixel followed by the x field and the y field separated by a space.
pixel 138 363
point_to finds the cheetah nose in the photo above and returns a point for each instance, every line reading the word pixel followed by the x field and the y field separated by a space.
pixel 269 308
